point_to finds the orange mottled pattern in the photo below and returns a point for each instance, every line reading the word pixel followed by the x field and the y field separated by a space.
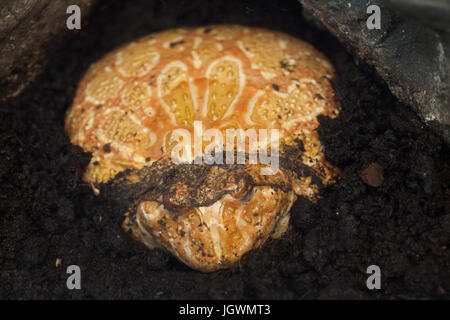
pixel 226 76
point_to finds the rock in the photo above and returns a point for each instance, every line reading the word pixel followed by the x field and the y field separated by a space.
pixel 413 59
pixel 433 13
pixel 29 29
pixel 372 175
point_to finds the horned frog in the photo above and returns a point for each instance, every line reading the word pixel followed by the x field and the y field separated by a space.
pixel 129 104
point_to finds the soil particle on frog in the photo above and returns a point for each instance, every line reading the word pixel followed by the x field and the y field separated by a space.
pixel 48 213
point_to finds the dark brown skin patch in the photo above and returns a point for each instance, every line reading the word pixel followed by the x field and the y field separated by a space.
pixel 184 186
pixel 107 148
pixel 175 43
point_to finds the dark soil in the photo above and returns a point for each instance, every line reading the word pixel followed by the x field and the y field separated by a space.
pixel 48 213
